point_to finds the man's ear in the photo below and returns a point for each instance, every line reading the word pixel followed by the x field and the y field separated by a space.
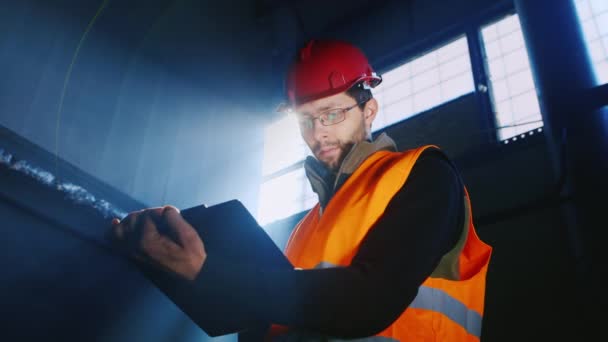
pixel 370 110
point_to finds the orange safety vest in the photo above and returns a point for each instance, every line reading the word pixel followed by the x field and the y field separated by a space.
pixel 443 310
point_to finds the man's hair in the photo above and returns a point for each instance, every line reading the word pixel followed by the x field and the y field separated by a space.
pixel 360 94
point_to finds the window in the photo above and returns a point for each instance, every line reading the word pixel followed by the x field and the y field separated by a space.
pixel 513 93
pixel 593 16
pixel 285 190
pixel 285 195
pixel 283 146
pixel 423 83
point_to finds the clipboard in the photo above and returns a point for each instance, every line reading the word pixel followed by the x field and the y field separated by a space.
pixel 228 231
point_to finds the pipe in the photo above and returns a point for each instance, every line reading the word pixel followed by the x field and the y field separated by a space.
pixel 577 135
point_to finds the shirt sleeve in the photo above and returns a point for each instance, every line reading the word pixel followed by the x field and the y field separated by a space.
pixel 422 222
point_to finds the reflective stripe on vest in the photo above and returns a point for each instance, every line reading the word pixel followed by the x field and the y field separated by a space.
pixel 325 264
pixel 299 337
pixel 367 339
pixel 432 299
pixel 429 298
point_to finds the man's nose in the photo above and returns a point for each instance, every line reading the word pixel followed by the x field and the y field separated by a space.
pixel 319 130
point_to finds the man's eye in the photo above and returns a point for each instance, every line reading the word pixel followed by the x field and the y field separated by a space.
pixel 332 116
pixel 306 123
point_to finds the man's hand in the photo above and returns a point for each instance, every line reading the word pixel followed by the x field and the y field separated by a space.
pixel 182 253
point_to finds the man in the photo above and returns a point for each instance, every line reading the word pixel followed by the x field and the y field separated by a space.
pixel 390 251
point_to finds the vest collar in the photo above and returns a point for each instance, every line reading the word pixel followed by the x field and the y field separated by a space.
pixel 325 183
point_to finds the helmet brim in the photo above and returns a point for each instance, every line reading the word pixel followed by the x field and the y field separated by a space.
pixel 371 82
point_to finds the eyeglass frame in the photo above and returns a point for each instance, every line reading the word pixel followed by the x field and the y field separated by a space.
pixel 342 111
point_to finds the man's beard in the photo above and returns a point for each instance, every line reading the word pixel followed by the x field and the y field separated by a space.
pixel 343 146
pixel 334 164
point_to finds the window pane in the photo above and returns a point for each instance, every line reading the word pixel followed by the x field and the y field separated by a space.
pixel 285 195
pixel 283 145
pixel 599 6
pixel 397 92
pixel 452 88
pixel 584 10
pixel 593 16
pixel 602 23
pixel 520 82
pixel 500 90
pixel 396 112
pixel 455 67
pixel 590 30
pixel 425 80
pixel 492 49
pixel 516 61
pixel 490 34
pixel 596 51
pixel 525 105
pixel 601 69
pixel 511 83
pixel 423 83
pixel 508 25
pixel 511 42
pixel 427 99
pixel 424 63
pixel 396 75
pixel 451 51
pixel 506 113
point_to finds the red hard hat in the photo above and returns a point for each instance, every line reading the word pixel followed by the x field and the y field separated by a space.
pixel 325 68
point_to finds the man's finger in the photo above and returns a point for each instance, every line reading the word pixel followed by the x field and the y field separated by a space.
pixel 155 212
pixel 157 247
pixel 149 236
pixel 184 232
pixel 129 224
pixel 118 232
pixel 152 241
